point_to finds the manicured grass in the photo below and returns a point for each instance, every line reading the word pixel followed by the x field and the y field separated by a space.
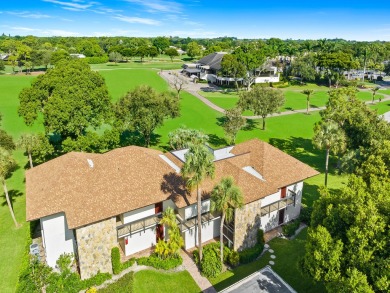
pixel 386 92
pixel 147 64
pixel 153 281
pixel 288 254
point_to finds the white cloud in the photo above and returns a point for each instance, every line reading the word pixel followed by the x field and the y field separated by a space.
pixel 42 32
pixel 159 6
pixel 140 20
pixel 74 4
pixel 27 14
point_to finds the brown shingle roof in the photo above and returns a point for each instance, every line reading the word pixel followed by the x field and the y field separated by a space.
pixel 133 177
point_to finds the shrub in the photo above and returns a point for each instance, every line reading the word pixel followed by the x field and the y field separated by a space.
pixel 226 253
pixel 124 284
pixel 250 254
pixel 116 260
pixel 211 264
pixel 159 263
pixel 234 258
pixel 260 237
pixel 289 229
pixel 96 60
pixel 91 290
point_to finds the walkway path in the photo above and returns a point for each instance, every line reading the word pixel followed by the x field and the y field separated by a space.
pixel 191 267
pixel 195 88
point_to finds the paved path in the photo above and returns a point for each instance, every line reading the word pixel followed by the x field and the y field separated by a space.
pixel 203 283
pixel 386 116
pixel 194 88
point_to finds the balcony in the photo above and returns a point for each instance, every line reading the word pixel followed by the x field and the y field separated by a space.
pixel 137 226
pixel 186 225
pixel 278 205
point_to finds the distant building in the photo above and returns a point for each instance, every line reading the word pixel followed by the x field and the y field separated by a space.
pixel 77 56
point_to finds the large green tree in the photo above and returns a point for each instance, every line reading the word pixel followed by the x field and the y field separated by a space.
pixel 194 49
pixel 262 101
pixel 7 165
pixel 71 98
pixel 171 52
pixel 225 198
pixel 233 122
pixel 145 109
pixel 161 43
pixel 231 67
pixel 198 166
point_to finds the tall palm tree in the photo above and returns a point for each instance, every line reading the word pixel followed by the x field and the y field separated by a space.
pixel 7 163
pixel 329 136
pixel 28 142
pixel 225 198
pixel 308 94
pixel 198 166
pixel 374 90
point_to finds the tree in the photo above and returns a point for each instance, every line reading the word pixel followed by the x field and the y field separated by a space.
pixel 142 51
pixel 194 49
pixel 29 142
pixel 232 123
pixel 71 98
pixel 2 65
pixel 304 67
pixel 6 141
pixel 198 166
pixel 347 243
pixel 171 52
pixel 161 43
pixel 28 65
pixel 262 101
pixel 144 109
pixel 178 82
pixel 225 198
pixel 374 90
pixel 115 56
pixel 183 137
pixel 308 94
pixel 232 68
pixel 7 165
pixel 152 52
pixel 58 56
pixel 329 136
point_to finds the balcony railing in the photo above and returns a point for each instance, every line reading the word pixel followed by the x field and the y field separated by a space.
pixel 186 225
pixel 280 204
pixel 139 225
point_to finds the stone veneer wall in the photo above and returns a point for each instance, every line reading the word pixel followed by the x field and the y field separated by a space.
pixel 95 242
pixel 247 222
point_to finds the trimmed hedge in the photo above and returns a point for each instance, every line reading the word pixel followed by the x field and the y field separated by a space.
pixel 159 263
pixel 250 254
pixel 96 60
pixel 117 266
pixel 96 280
pixel 124 284
pixel 289 229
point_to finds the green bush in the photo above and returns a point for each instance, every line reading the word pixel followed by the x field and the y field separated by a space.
pixel 116 260
pixel 159 263
pixel 250 254
pixel 226 253
pixel 289 229
pixel 124 284
pixel 96 60
pixel 260 237
pixel 234 258
pixel 211 263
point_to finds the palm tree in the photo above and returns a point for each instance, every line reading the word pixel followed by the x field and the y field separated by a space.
pixel 28 142
pixel 308 94
pixel 225 198
pixel 198 166
pixel 7 163
pixel 330 137
pixel 374 90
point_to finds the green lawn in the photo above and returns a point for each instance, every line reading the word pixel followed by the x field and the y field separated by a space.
pixel 288 253
pixel 152 281
pixel 147 64
pixel 386 92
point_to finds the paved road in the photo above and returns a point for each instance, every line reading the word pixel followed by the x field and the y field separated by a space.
pixel 195 88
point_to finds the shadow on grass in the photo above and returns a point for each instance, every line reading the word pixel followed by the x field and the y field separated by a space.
pixel 250 125
pixel 216 141
pixel 303 150
pixel 12 195
pixel 135 138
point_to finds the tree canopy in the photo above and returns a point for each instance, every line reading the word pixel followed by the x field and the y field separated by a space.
pixel 71 98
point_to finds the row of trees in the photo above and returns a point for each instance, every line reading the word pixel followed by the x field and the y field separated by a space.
pixel 347 245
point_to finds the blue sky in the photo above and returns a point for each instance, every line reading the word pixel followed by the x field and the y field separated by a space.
pixel 351 20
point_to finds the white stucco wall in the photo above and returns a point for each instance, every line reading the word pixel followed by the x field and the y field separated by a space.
pixel 263 79
pixel 140 241
pixel 270 199
pixel 57 238
pixel 191 211
pixel 138 214
pixel 210 230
